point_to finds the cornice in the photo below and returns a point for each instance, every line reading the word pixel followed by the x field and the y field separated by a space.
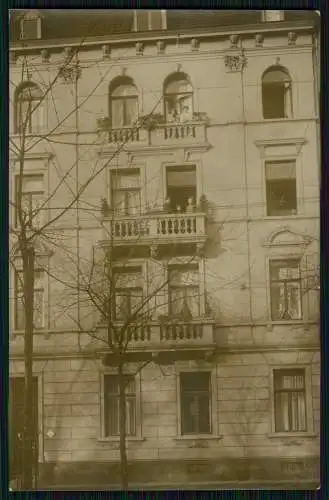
pixel 244 32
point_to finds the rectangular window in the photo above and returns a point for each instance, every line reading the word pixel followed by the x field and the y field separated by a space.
pixel 286 300
pixel 184 292
pixel 281 192
pixel 145 20
pixel 128 291
pixel 195 396
pixel 181 186
pixel 38 314
pixel 30 28
pixel 112 405
pixel 32 198
pixel 290 400
pixel 126 192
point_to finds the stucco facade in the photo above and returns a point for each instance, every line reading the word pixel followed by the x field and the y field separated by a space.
pixel 228 144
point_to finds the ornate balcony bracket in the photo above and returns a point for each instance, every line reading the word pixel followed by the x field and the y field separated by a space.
pixel 235 62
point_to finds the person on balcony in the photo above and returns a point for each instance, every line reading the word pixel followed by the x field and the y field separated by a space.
pixel 189 206
pixel 167 205
pixel 185 115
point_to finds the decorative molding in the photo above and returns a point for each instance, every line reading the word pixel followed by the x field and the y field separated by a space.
pixel 284 236
pixel 68 52
pixel 160 47
pixel 292 37
pixel 45 55
pixel 154 249
pixel 106 51
pixel 235 62
pixel 298 142
pixel 139 48
pixel 234 39
pixel 259 39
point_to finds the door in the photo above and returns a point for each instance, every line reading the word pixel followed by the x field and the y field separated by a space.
pixel 16 425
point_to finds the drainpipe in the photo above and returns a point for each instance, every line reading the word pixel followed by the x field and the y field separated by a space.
pixel 246 190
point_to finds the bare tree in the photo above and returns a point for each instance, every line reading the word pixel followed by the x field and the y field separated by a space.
pixel 29 225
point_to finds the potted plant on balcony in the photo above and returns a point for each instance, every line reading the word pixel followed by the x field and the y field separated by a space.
pixel 151 122
pixel 200 117
pixel 203 205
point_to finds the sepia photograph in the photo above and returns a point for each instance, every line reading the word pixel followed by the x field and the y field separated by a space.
pixel 164 249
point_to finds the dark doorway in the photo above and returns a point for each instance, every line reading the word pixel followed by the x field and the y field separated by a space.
pixel 16 426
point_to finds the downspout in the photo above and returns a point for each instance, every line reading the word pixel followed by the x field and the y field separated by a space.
pixel 77 138
pixel 246 186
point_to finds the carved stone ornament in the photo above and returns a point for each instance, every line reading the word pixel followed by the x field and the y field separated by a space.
pixel 45 55
pixel 234 41
pixel 259 39
pixel 160 46
pixel 106 51
pixel 292 37
pixel 154 251
pixel 139 48
pixel 235 62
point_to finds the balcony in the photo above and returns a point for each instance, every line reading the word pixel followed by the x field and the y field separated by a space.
pixel 158 336
pixel 153 131
pixel 160 228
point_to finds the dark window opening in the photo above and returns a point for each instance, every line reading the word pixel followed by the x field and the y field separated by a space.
pixel 281 190
pixel 195 403
pixel 181 189
pixel 276 94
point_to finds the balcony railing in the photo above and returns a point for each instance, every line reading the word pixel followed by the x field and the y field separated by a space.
pixel 156 134
pixel 163 335
pixel 159 227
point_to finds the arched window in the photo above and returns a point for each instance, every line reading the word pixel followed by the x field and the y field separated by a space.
pixel 276 93
pixel 29 109
pixel 178 98
pixel 123 103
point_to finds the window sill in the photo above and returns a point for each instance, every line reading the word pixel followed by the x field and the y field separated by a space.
pixel 289 322
pixel 198 437
pixel 291 435
pixel 116 439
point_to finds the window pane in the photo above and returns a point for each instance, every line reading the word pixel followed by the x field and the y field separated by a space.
pixel 131 111
pixel 117 110
pixel 282 412
pixel 294 300
pixel 284 270
pixel 178 87
pixel 181 177
pixel 273 100
pixel 185 276
pixel 278 305
pixel 142 20
pixel 124 90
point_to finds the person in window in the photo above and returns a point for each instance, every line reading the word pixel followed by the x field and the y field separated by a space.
pixel 172 115
pixel 167 205
pixel 190 205
pixel 185 115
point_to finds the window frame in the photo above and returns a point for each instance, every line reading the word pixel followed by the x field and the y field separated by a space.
pixel 181 168
pixel 37 111
pixel 122 172
pixel 30 194
pixel 114 85
pixel 213 403
pixel 286 259
pixel 18 293
pixel 116 269
pixel 288 94
pixel 308 401
pixel 266 181
pixel 31 16
pixel 149 19
pixel 177 287
pixel 170 95
pixel 129 371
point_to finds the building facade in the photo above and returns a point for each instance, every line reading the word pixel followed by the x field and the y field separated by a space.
pixel 186 143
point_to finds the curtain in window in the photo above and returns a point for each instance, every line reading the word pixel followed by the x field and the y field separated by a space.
pixel 112 408
pixel 131 111
pixel 290 414
pixel 117 110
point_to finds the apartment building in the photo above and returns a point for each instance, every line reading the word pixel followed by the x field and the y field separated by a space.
pixel 185 145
